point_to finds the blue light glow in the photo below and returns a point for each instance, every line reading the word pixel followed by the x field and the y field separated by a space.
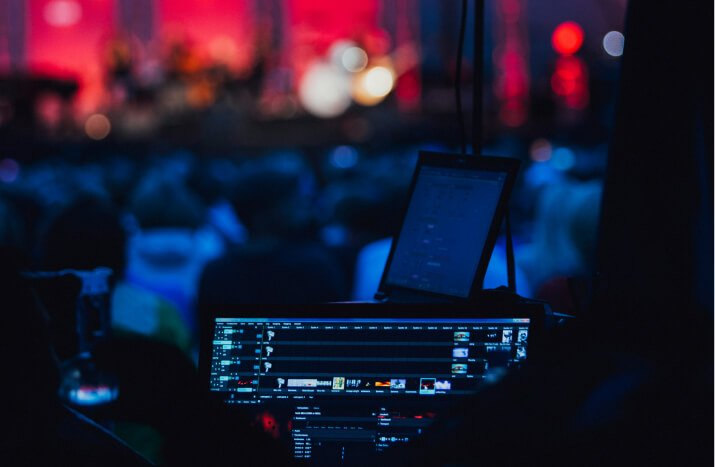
pixel 344 157
pixel 563 159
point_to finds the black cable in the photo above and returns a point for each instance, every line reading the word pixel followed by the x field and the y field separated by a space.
pixel 458 79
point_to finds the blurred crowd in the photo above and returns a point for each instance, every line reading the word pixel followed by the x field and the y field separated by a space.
pixel 180 232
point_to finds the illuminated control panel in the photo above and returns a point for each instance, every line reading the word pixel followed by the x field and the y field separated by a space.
pixel 342 390
pixel 262 359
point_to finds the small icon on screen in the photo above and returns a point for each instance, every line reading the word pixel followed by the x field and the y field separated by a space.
pixel 443 385
pixel 427 386
pixel 461 336
pixel 398 384
pixel 521 353
pixel 522 336
pixel 506 336
pixel 339 383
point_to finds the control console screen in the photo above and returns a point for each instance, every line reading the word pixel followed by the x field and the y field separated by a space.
pixel 341 389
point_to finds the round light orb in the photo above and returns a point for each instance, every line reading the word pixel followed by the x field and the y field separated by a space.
pixel 563 159
pixel 613 43
pixel 540 150
pixel 97 127
pixel 371 86
pixel 324 91
pixel 379 81
pixel 354 59
pixel 62 13
pixel 344 157
pixel 567 38
pixel 337 50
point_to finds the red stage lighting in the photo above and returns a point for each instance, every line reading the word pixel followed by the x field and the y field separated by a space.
pixel 567 38
pixel 570 82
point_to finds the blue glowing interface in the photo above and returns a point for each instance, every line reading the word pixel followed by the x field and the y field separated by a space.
pixel 445 230
pixel 339 389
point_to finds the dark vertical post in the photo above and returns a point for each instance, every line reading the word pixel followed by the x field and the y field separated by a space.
pixel 478 125
pixel 477 91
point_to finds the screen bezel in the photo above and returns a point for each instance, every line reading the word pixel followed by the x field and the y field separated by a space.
pixel 508 166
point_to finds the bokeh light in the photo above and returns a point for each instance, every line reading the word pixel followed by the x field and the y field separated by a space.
pixel 324 91
pixel 354 59
pixel 97 127
pixel 344 157
pixel 373 85
pixel 567 38
pixel 62 13
pixel 563 159
pixel 613 43
pixel 338 49
pixel 379 81
pixel 540 150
